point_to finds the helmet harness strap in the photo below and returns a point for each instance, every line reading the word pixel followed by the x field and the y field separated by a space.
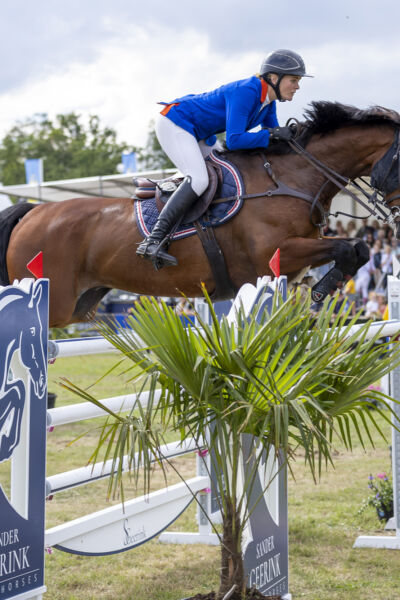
pixel 275 86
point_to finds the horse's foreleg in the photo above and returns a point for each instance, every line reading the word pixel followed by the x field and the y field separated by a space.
pixel 348 256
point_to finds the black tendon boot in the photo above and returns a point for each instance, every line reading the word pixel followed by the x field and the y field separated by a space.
pixel 180 202
pixel 327 285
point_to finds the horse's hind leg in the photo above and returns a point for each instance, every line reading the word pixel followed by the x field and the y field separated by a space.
pixel 348 256
pixel 87 303
pixel 62 305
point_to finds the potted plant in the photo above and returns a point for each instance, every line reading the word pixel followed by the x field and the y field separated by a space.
pixel 381 496
pixel 291 379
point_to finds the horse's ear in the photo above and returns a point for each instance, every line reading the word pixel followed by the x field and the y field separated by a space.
pixel 35 299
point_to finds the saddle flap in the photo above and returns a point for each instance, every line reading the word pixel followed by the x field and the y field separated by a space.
pixel 199 208
pixel 229 191
pixel 201 205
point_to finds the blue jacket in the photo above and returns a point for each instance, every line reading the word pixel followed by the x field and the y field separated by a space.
pixel 234 108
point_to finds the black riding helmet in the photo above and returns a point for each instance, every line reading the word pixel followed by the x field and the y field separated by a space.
pixel 282 62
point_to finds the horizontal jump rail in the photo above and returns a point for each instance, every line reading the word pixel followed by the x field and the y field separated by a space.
pixel 79 347
pixel 73 413
pixel 127 525
pixel 388 328
pixel 98 345
pixel 91 473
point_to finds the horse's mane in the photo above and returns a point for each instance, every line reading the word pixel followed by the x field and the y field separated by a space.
pixel 323 117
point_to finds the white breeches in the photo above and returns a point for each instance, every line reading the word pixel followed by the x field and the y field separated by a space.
pixel 185 151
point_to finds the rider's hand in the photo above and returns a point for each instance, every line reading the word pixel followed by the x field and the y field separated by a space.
pixel 278 134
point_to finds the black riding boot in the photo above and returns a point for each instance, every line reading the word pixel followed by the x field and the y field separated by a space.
pixel 180 201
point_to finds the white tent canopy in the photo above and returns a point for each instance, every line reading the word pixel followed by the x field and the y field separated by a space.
pixel 121 186
pixel 108 186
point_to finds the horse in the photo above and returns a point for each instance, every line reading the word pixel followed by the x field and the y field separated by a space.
pixel 28 343
pixel 89 245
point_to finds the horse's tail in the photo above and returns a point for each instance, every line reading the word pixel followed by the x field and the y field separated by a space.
pixel 9 217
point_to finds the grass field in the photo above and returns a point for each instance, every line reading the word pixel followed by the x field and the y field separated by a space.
pixel 323 523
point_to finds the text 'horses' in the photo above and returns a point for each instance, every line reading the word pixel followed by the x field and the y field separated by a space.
pixel 89 244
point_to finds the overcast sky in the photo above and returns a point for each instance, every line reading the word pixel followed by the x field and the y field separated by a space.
pixel 117 58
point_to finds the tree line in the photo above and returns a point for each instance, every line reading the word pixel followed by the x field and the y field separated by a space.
pixel 71 148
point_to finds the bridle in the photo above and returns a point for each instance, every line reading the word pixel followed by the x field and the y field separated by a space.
pixel 385 178
pixel 385 175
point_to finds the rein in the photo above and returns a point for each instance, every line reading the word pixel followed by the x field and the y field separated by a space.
pixel 376 200
pixel 376 205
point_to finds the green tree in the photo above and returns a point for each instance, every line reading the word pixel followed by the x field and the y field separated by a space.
pixel 292 380
pixel 69 148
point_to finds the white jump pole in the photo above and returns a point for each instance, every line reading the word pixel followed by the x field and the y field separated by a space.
pixel 84 475
pixel 85 410
pixel 391 542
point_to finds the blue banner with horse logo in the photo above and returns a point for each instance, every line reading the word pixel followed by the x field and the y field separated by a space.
pixel 23 404
pixel 265 536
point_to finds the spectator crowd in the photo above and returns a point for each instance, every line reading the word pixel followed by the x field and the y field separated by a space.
pixel 367 290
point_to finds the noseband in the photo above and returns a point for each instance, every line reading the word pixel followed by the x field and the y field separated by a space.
pixel 385 175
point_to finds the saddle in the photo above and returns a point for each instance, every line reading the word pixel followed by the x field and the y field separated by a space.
pixel 164 188
pixel 220 202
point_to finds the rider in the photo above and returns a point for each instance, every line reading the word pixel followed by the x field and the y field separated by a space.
pixel 187 128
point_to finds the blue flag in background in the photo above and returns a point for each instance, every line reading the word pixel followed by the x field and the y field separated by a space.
pixel 34 170
pixel 128 162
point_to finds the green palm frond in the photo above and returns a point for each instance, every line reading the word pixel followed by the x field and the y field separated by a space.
pixel 292 379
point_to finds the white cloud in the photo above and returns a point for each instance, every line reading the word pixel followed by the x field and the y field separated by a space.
pixel 358 73
pixel 126 80
pixel 131 71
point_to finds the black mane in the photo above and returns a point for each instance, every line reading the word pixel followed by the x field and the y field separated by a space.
pixel 323 117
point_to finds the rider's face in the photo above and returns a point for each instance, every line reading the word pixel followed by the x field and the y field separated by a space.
pixel 288 86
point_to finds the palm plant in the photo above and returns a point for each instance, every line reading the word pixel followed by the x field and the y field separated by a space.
pixel 291 379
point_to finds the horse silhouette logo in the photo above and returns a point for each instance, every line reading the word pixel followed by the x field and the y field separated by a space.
pixel 22 360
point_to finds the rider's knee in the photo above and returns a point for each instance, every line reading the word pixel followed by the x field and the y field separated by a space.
pixel 200 183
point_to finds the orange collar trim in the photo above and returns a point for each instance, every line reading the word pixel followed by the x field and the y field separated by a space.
pixel 264 90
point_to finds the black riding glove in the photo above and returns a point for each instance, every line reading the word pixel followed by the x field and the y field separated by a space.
pixel 280 134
